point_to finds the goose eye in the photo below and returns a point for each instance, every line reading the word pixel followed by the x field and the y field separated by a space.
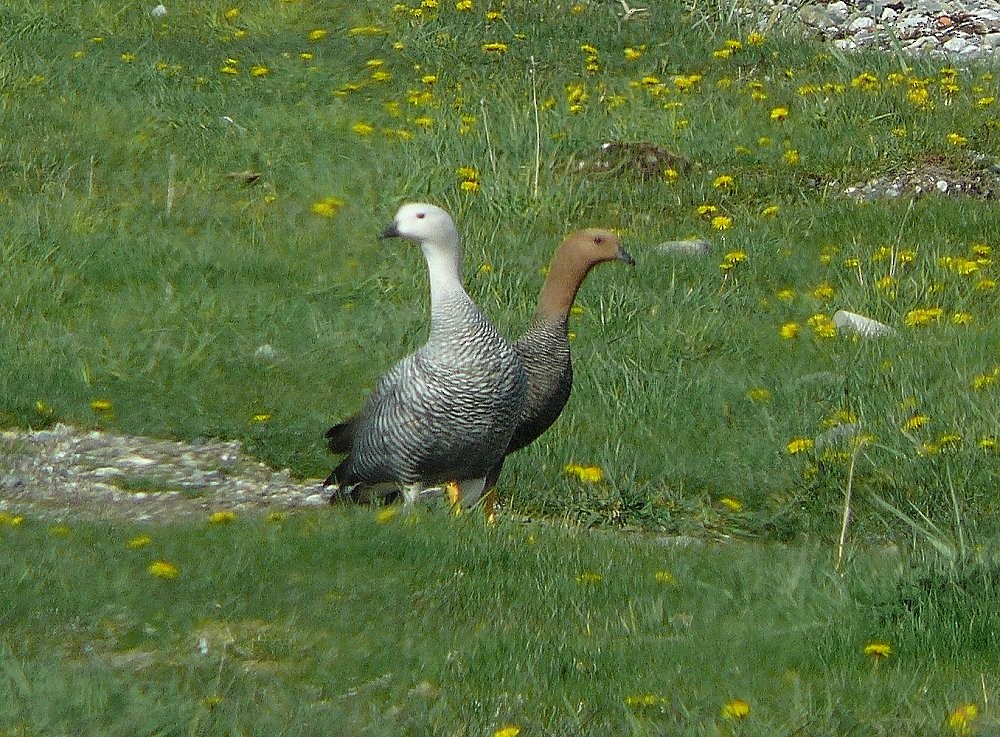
pixel 421 215
pixel 598 239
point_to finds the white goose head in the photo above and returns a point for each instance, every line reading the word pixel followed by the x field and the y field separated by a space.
pixel 425 224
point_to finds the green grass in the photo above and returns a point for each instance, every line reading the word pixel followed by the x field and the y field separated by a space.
pixel 325 624
pixel 136 271
pixel 109 294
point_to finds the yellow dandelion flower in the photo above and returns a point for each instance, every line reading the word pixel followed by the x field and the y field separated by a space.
pixel 138 542
pixel 363 129
pixel 664 577
pixel 984 381
pixel 759 395
pixel 327 207
pixel 733 505
pixel 485 268
pixel 589 577
pixel 7 519
pixel 824 292
pixel 791 157
pixel 231 69
pixel 463 6
pixel 260 417
pixel 957 139
pixel 914 422
pixel 645 700
pixel 722 222
pixel 60 530
pixel 509 731
pixel 733 258
pixel 632 53
pixel 163 569
pixel 259 70
pixel 786 295
pixel 101 405
pixel 222 517
pixel 735 709
pixel 128 57
pixel 232 14
pixel 779 114
pixel 494 47
pixel 469 185
pixel 755 38
pixel 318 34
pixel 723 181
pixel 789 330
pixel 770 211
pixel 962 318
pixel 386 515
pixel 494 15
pixel 589 474
pixel 823 326
pixel 987 442
pixel 985 101
pixel 865 81
pixel 922 316
pixel 878 650
pixel 950 440
pixel 961 718
pixel 799 445
pixel 986 285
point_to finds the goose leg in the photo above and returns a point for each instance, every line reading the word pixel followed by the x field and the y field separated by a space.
pixel 471 490
pixel 411 494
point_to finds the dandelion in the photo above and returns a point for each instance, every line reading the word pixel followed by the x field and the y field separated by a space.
pixel 100 405
pixel 509 731
pixel 424 121
pixel 259 70
pixel 733 505
pixel 791 157
pixel 950 440
pixel 957 139
pixel 960 720
pixel 985 101
pixel 469 185
pixel 986 285
pixel 327 207
pixel 631 53
pixel 786 295
pixel 319 34
pixel 731 259
pixel 779 114
pixel 664 577
pixel 139 542
pixel 987 442
pixel 755 38
pixel 589 474
pixel 759 395
pixel 922 316
pixel 823 326
pixel 646 700
pixel 824 292
pixel 386 515
pixel 163 569
pixel 799 445
pixel 222 517
pixel 232 14
pixel 735 709
pixel 128 57
pixel 878 650
pixel 494 47
pixel 494 15
pixel 723 181
pixel 59 531
pixel 722 222
pixel 260 417
pixel 589 577
pixel 962 318
pixel 363 129
pixel 686 82
pixel 984 381
pixel 789 330
pixel 865 81
pixel 914 422
pixel 10 520
pixel 770 211
pixel 231 67
pixel 463 6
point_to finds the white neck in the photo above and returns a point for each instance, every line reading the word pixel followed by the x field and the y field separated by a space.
pixel 444 265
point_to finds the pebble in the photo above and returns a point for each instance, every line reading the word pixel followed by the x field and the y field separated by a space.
pixel 952 29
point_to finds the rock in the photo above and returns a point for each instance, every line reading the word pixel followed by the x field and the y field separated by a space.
pixel 692 247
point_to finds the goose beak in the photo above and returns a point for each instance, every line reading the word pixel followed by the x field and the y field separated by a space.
pixel 625 256
pixel 391 232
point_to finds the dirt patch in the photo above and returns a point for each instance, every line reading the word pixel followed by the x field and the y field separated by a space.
pixel 65 473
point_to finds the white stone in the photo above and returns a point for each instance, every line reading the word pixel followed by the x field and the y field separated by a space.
pixel 845 44
pixel 863 326
pixel 888 14
pixel 159 11
pixel 837 12
pixel 991 40
pixel 942 185
pixel 860 24
pixel 956 45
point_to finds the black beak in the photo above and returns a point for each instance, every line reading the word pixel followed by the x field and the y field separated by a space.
pixel 391 232
pixel 625 256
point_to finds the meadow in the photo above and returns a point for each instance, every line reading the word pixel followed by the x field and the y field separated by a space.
pixel 191 204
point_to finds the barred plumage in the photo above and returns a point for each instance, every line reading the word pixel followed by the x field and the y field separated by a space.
pixel 447 411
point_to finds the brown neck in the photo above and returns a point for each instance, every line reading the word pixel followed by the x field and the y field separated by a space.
pixel 566 274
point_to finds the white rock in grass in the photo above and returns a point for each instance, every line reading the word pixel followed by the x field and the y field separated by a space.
pixel 266 352
pixel 691 247
pixel 863 326
pixel 159 11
